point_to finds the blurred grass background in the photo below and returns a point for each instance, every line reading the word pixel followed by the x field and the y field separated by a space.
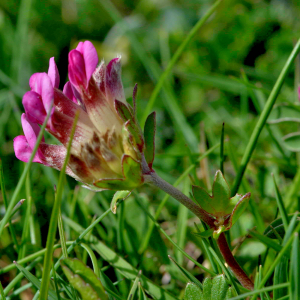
pixel 243 39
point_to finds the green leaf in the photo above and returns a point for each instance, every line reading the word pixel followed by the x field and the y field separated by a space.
pixel 135 135
pixel 87 275
pixel 295 268
pixel 207 284
pixel 85 290
pixel 266 240
pixel 203 199
pixel 193 292
pixel 123 111
pixel 221 193
pixel 134 286
pixel 35 281
pixel 142 295
pixel 279 227
pixel 149 136
pixel 219 288
pixel 108 285
pixel 281 276
pixel 132 170
pixel 205 234
pixel 239 207
pixel 117 196
pixel 292 141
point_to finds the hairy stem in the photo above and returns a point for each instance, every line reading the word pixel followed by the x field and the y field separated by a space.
pixel 233 264
pixel 154 179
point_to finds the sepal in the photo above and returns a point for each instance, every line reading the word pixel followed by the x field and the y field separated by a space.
pixel 149 136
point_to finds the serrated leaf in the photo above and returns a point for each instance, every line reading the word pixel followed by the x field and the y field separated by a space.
pixel 204 199
pixel 221 192
pixel 86 274
pixel 193 292
pixel 219 288
pixel 85 290
pixel 149 136
pixel 239 207
pixel 117 196
pixel 35 281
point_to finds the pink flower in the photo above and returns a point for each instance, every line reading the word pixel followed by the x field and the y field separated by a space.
pixel 108 146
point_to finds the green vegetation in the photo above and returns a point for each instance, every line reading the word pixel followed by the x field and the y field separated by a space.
pixel 198 65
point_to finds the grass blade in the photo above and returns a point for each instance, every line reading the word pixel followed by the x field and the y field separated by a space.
pixel 54 218
pixel 263 118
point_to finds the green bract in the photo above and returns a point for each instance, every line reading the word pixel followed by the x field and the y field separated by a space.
pixel 225 210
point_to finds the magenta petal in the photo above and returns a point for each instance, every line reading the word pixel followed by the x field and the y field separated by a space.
pixel 41 84
pixel 68 91
pixel 77 73
pixel 53 73
pixel 90 57
pixel 31 131
pixel 23 150
pixel 114 86
pixel 34 107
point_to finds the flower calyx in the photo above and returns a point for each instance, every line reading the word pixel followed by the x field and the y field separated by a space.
pixel 220 209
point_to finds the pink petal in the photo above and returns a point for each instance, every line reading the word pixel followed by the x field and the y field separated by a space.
pixel 41 84
pixel 114 86
pixel 23 150
pixel 53 73
pixel 68 91
pixel 34 107
pixel 31 131
pixel 77 72
pixel 90 57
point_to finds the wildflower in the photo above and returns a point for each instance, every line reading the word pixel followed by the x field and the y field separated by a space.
pixel 108 149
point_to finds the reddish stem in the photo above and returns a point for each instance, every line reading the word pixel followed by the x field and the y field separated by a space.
pixel 232 263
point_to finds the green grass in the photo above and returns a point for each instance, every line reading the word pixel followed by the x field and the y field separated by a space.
pixel 198 64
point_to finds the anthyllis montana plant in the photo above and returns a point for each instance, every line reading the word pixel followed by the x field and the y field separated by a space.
pixel 109 150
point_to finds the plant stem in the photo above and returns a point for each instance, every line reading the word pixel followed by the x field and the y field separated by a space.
pixel 154 179
pixel 233 264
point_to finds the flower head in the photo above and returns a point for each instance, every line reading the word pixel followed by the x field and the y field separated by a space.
pixel 108 149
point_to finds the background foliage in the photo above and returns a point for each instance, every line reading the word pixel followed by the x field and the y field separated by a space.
pixel 208 86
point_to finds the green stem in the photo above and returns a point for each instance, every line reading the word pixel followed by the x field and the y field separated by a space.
pixel 263 118
pixel 154 179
